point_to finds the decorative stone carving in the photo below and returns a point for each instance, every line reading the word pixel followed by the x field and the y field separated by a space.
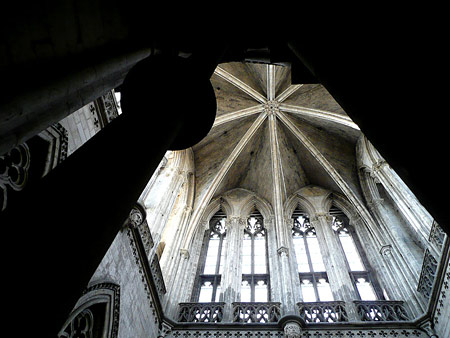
pixel 184 253
pixel 110 106
pixel 271 107
pixel 136 217
pixel 386 250
pixel 427 275
pixel 200 312
pixel 437 235
pixel 323 312
pixel 292 330
pixel 381 310
pixel 157 275
pixel 14 167
pixel 252 312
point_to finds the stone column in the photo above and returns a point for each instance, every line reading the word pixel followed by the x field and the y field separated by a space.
pixel 175 293
pixel 334 259
pixel 287 295
pixel 288 302
pixel 231 277
pixel 414 213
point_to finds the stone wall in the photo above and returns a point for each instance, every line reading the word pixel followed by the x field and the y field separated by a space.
pixel 120 266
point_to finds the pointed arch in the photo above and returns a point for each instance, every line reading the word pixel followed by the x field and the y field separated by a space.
pixel 256 202
pixel 215 205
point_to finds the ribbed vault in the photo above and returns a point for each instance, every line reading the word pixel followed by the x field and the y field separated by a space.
pixel 273 138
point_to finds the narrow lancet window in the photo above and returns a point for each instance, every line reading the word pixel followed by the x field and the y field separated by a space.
pixel 357 263
pixel 213 260
pixel 255 277
pixel 311 269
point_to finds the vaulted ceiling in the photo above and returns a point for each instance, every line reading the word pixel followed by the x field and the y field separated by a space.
pixel 273 138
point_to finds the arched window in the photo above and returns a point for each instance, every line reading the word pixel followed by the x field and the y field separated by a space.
pixel 255 270
pixel 358 266
pixel 311 269
pixel 212 260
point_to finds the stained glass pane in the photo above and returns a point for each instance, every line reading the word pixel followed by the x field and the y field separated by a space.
pixel 261 294
pixel 308 290
pixel 260 255
pixel 218 290
pixel 324 290
pixel 314 252
pixel 365 289
pixel 222 255
pixel 211 256
pixel 206 291
pixel 300 254
pixel 247 255
pixel 245 291
pixel 351 252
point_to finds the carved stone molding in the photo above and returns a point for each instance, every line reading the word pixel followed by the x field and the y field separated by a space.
pixel 184 253
pixel 97 310
pixel 136 217
pixel 386 250
pixel 14 167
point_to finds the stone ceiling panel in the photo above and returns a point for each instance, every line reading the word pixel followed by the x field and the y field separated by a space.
pixel 338 151
pixel 315 96
pixel 282 79
pixel 251 170
pixel 212 152
pixel 229 98
pixel 248 73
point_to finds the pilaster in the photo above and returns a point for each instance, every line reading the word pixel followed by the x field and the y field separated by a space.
pixel 335 263
pixel 231 277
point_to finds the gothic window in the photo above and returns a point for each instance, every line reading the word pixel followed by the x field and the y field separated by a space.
pixel 358 266
pixel 211 269
pixel 311 269
pixel 255 276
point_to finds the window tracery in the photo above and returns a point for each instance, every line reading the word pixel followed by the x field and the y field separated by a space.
pixel 311 269
pixel 255 272
pixel 359 269
pixel 211 269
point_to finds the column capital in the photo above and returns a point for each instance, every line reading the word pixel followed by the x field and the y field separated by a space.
pixel 283 251
pixel 238 220
pixel 322 216
pixel 386 250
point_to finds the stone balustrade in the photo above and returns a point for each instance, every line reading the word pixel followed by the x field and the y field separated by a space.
pixel 201 312
pixel 256 312
pixel 381 310
pixel 427 275
pixel 323 312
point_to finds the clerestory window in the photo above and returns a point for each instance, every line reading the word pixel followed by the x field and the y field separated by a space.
pixel 255 270
pixel 311 269
pixel 211 269
pixel 359 269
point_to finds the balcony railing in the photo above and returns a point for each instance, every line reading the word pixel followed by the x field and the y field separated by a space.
pixel 256 312
pixel 323 312
pixel 428 274
pixel 200 312
pixel 381 310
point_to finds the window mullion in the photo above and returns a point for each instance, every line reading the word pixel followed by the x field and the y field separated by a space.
pixel 252 297
pixel 308 256
pixel 316 292
pixel 219 255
